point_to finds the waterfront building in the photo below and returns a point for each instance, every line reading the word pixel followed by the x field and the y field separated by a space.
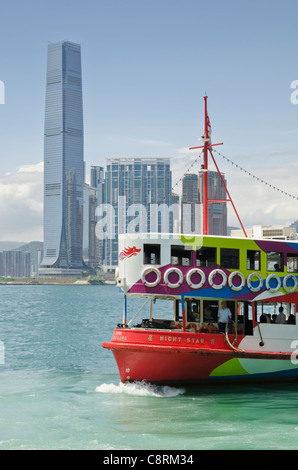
pixel 63 161
pixel 14 263
pixel 295 225
pixel 267 231
pixel 138 194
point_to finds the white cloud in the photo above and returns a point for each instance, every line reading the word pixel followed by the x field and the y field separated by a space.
pixel 261 204
pixel 21 204
pixel 151 142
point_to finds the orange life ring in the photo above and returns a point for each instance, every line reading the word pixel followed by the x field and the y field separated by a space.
pixel 203 329
pixel 191 325
pixel 212 328
pixel 208 329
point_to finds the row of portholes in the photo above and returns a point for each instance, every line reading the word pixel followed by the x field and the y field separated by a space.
pixel 224 279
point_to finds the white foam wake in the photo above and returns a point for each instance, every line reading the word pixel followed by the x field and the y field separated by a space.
pixel 142 389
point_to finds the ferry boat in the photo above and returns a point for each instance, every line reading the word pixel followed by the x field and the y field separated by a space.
pixel 219 309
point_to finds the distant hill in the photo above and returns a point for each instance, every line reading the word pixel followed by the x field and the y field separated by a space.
pixel 5 246
pixel 32 248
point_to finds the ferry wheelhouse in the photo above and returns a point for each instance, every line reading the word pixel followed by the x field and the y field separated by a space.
pixel 174 337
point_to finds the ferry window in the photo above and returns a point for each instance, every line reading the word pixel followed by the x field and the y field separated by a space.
pixel 292 263
pixel 177 310
pixel 275 261
pixel 265 313
pixel 229 258
pixel 193 310
pixel 244 317
pixel 151 254
pixel 206 257
pixel 210 311
pixel 278 314
pixel 253 260
pixel 181 256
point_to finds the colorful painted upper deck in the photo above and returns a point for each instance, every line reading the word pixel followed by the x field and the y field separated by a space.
pixel 208 266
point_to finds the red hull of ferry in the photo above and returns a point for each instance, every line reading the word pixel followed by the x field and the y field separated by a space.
pixel 161 367
pixel 167 357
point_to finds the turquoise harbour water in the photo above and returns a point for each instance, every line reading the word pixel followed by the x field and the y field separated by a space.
pixel 59 389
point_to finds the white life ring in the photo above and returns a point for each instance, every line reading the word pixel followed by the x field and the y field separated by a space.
pixel 285 281
pixel 278 285
pixel 151 269
pixel 230 281
pixel 173 285
pixel 192 284
pixel 259 286
pixel 222 274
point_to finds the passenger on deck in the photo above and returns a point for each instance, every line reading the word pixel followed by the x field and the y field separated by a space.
pixel 281 318
pixel 263 318
pixel 224 316
pixel 291 320
pixel 194 314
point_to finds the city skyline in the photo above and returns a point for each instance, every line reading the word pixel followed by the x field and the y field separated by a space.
pixel 144 83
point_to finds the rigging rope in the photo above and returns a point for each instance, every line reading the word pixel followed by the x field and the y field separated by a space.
pixel 240 168
pixel 254 176
pixel 180 179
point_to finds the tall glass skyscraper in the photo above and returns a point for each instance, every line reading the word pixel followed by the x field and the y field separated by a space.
pixel 63 158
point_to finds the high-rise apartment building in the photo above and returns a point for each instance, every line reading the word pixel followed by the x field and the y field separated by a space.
pixel 138 196
pixel 63 159
pixel 90 243
pixel 97 180
pixel 94 196
pixel 191 217
pixel 217 211
pixel 14 263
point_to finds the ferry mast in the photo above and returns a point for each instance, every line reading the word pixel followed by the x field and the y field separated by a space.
pixel 207 147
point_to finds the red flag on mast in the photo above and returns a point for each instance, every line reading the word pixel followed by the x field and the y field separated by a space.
pixel 209 128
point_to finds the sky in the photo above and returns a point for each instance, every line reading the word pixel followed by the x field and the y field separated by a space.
pixel 146 65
